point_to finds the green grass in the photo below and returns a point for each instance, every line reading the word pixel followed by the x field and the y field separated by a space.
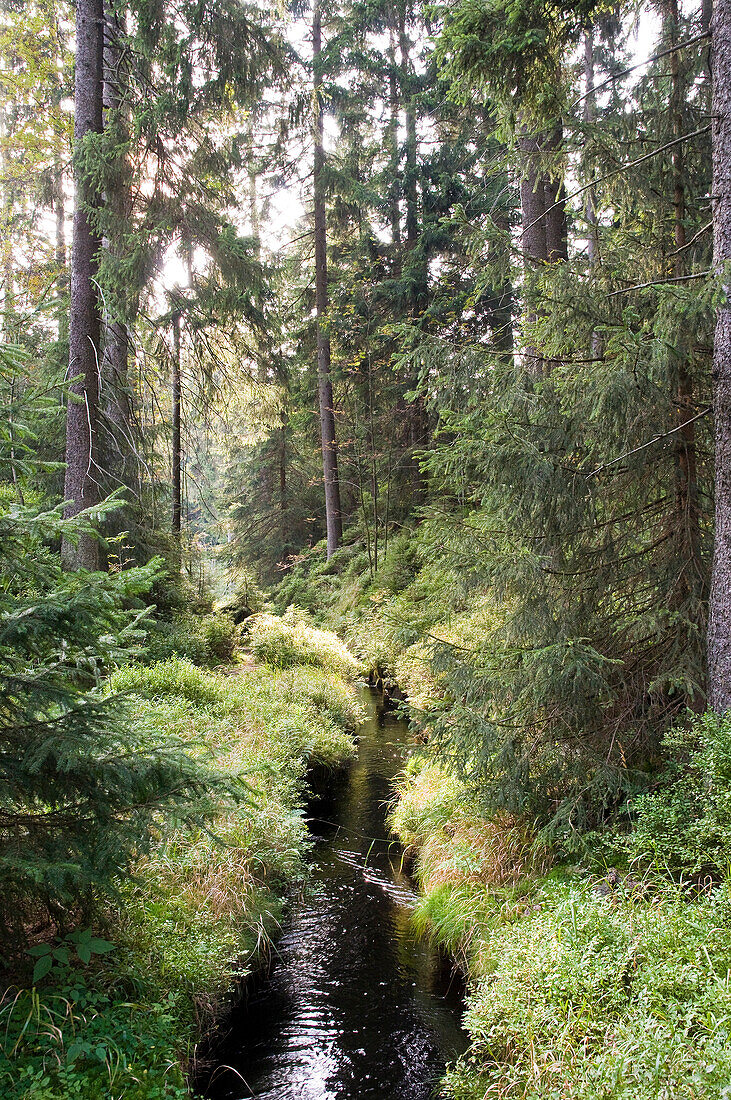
pixel 203 907
pixel 292 639
pixel 578 991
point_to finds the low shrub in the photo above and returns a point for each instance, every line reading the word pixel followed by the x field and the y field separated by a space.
pixel 203 639
pixel 175 677
pixel 685 826
pixel 293 640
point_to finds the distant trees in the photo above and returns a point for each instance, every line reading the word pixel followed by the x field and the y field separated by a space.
pixel 151 174
pixel 450 337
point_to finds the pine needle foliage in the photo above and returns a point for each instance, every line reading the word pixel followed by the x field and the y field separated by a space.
pixel 82 783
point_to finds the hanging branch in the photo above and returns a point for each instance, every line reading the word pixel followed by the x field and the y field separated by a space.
pixel 616 171
pixel 644 446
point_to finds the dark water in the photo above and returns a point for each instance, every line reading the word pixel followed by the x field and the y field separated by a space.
pixel 355 1007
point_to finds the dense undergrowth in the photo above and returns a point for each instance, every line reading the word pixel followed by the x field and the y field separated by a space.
pixel 597 947
pixel 114 1012
pixel 584 982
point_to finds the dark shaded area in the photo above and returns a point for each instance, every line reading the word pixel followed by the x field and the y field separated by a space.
pixel 355 1006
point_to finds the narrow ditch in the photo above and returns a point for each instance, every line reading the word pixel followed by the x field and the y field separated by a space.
pixel 354 1006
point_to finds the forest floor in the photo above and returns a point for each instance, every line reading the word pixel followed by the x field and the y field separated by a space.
pixel 200 911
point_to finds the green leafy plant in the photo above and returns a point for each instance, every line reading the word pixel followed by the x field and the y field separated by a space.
pixel 54 959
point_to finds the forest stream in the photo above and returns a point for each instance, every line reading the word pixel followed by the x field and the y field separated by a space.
pixel 355 1005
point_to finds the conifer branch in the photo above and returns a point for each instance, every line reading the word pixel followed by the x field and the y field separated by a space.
pixel 615 172
pixel 644 446
pixel 640 64
pixel 660 282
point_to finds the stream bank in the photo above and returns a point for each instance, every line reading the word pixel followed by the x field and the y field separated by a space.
pixel 203 904
pixel 355 1003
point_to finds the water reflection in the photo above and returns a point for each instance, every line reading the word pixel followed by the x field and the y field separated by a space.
pixel 356 1007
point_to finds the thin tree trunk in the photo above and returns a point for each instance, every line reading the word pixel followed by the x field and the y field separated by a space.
pixel 283 517
pixel 62 283
pixel 7 326
pixel 502 315
pixel 590 207
pixel 590 216
pixel 395 189
pixel 176 439
pixel 333 514
pixel 81 487
pixel 719 623
pixel 686 476
pixel 410 170
pixel 418 421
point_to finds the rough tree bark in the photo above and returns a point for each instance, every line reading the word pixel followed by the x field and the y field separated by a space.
pixel 554 192
pixel 533 209
pixel 543 211
pixel 719 622
pixel 81 487
pixel 333 514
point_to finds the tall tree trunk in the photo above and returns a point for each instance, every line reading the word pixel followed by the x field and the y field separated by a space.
pixel 81 487
pixel 119 444
pixel 543 208
pixel 719 623
pixel 333 514
pixel 533 203
pixel 686 476
pixel 176 438
pixel 534 247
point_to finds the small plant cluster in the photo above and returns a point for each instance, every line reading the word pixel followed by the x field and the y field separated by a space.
pixel 55 958
pixel 86 1042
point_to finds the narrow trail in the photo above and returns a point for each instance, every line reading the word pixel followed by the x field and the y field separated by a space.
pixel 246 664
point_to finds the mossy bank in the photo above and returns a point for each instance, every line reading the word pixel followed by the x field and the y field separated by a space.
pixel 202 906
